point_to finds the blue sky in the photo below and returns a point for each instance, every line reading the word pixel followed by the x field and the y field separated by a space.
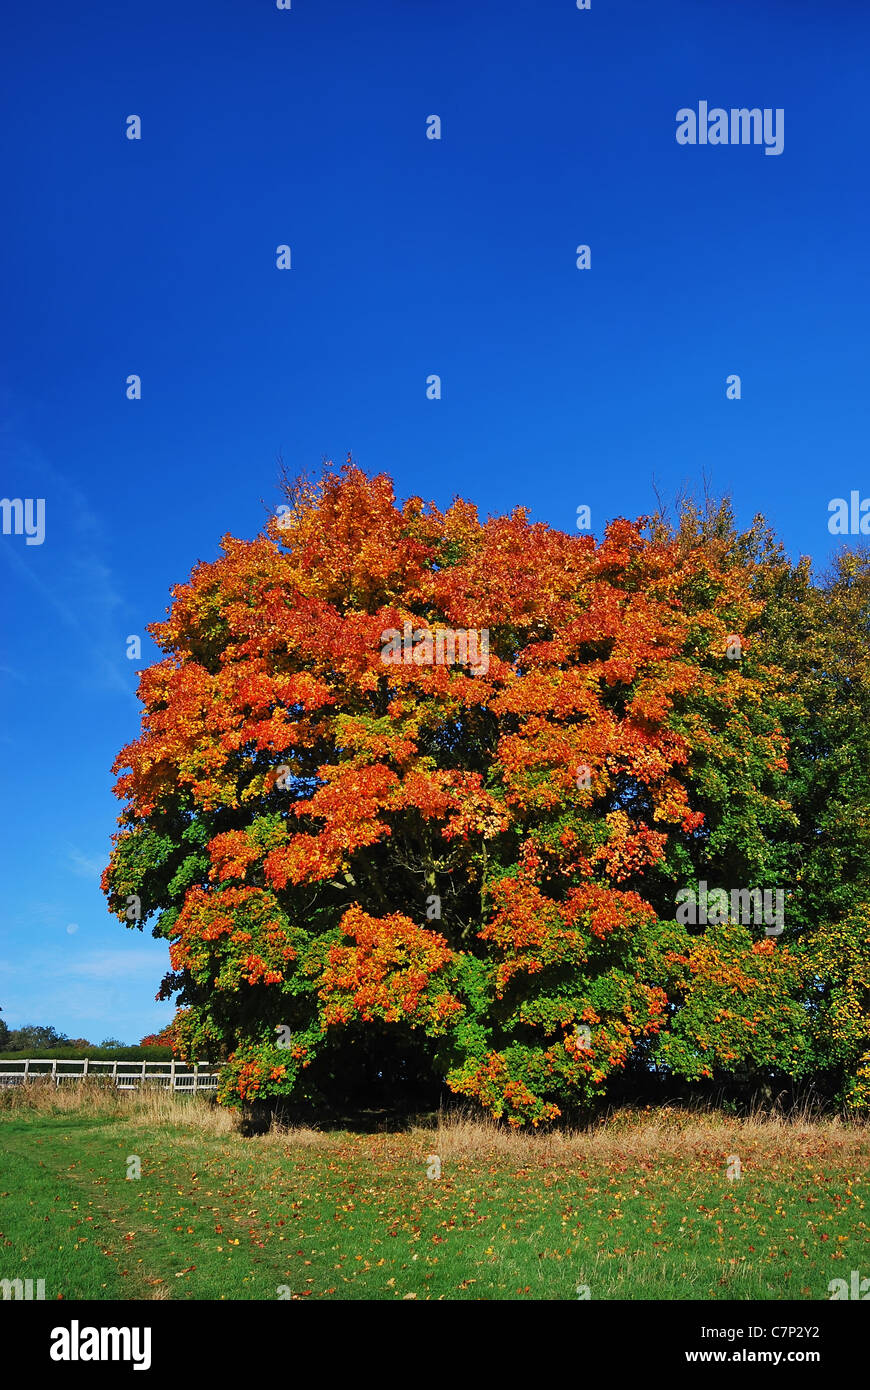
pixel 410 257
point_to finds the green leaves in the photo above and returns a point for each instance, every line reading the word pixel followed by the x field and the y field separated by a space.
pixel 402 860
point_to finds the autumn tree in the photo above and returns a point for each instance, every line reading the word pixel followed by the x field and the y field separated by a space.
pixel 376 844
pixel 818 634
pixel 813 632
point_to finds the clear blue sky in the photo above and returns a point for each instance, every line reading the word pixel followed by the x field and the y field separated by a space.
pixel 409 257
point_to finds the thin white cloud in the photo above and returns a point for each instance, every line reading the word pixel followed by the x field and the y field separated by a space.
pixel 86 866
pixel 98 995
pixel 114 965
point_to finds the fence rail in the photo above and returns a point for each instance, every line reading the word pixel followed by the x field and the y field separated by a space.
pixel 126 1076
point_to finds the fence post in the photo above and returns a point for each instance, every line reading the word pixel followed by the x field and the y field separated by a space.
pixel 195 1077
pixel 85 1072
pixel 172 1075
pixel 142 1085
pixel 115 1075
pixel 26 1068
pixel 54 1071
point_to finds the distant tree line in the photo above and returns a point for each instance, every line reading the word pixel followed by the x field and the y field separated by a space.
pixel 39 1038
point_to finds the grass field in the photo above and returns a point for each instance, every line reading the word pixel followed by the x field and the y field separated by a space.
pixel 639 1208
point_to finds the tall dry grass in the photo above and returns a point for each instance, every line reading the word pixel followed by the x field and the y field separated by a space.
pixel 460 1133
pixel 635 1134
pixel 96 1096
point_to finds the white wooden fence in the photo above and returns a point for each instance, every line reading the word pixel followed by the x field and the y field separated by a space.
pixel 127 1076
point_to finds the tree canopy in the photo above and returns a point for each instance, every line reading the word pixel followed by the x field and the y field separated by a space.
pixel 418 792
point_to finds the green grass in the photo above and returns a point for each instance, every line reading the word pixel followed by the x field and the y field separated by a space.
pixel 633 1212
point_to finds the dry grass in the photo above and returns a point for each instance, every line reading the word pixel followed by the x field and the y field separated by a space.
pixel 637 1133
pixel 302 1137
pixel 98 1097
pixel 463 1134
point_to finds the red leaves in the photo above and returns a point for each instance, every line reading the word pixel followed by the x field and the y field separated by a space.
pixel 407 784
pixel 231 854
pixel 216 931
pixel 388 972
